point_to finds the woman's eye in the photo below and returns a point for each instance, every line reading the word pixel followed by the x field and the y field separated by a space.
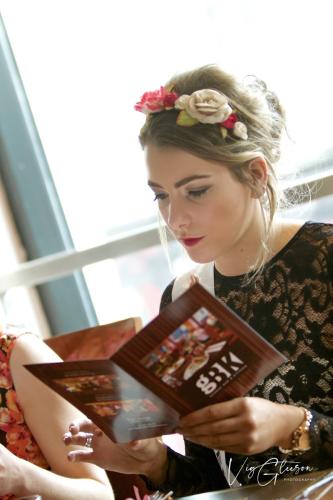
pixel 160 196
pixel 197 193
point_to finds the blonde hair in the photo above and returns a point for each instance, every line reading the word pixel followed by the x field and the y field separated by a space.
pixel 257 107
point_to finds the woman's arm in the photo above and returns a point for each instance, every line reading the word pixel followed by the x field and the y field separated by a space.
pixel 161 467
pixel 240 426
pixel 47 414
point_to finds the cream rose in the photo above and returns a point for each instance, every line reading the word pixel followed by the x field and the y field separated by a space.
pixel 206 106
pixel 240 130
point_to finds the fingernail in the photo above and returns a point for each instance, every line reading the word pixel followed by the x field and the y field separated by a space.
pixel 67 438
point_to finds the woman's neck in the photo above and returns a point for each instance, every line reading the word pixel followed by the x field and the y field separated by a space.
pixel 245 255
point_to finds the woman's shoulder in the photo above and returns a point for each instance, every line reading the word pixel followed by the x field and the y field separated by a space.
pixel 304 245
pixel 314 229
pixel 316 235
pixel 175 288
pixel 294 226
pixel 31 348
pixel 307 232
pixel 320 231
pixel 23 347
pixel 9 336
pixel 200 273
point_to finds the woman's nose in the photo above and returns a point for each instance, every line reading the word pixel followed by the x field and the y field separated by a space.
pixel 177 216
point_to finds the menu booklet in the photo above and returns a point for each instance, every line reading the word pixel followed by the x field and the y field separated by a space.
pixel 195 353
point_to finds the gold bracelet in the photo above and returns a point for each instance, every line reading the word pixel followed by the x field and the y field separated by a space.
pixel 302 429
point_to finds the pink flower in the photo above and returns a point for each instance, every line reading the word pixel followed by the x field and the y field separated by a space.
pixel 230 122
pixel 13 407
pixel 4 417
pixel 9 417
pixel 3 356
pixel 5 377
pixel 155 101
pixel 22 444
pixel 169 100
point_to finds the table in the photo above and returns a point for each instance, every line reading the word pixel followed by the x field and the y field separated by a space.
pixel 283 489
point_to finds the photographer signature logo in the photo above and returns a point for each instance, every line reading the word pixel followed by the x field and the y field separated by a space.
pixel 268 472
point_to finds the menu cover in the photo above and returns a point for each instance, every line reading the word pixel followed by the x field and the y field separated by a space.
pixel 195 353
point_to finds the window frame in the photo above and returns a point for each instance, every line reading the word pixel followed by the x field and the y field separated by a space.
pixel 33 199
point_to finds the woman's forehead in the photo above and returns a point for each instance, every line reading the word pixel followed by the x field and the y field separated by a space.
pixel 175 164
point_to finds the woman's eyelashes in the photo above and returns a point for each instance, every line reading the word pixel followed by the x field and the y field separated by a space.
pixel 160 196
pixel 197 192
pixel 193 193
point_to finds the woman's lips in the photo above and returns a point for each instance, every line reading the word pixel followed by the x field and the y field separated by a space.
pixel 190 242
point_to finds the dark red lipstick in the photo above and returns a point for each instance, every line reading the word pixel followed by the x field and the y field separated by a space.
pixel 190 242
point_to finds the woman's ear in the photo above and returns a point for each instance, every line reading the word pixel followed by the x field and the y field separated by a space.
pixel 258 172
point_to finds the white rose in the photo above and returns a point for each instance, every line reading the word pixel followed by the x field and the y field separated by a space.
pixel 207 106
pixel 240 130
pixel 181 102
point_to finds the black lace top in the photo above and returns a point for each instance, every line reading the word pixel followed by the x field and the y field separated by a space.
pixel 290 305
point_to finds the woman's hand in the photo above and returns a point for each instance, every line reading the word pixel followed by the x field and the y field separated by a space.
pixel 244 425
pixel 11 472
pixel 147 456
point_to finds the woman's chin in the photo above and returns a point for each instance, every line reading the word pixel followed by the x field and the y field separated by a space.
pixel 199 259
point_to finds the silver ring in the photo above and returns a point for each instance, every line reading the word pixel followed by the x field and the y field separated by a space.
pixel 88 442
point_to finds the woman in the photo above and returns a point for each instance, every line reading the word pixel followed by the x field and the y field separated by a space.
pixel 211 145
pixel 32 418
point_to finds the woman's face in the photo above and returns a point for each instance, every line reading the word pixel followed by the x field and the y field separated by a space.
pixel 209 212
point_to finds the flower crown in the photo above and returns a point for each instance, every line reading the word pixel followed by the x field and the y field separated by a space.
pixel 203 106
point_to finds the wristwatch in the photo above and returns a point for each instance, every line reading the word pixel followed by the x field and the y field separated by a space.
pixel 300 442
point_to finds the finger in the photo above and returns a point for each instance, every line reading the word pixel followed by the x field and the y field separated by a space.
pixel 80 424
pixel 213 412
pixel 67 438
pixel 79 438
pixel 84 425
pixel 225 426
pixel 80 456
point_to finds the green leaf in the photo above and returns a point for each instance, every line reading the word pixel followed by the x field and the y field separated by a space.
pixel 224 132
pixel 185 120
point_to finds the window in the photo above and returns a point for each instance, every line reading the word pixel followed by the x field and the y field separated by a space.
pixel 84 64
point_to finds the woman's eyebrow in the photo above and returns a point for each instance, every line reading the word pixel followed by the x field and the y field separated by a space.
pixel 181 182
